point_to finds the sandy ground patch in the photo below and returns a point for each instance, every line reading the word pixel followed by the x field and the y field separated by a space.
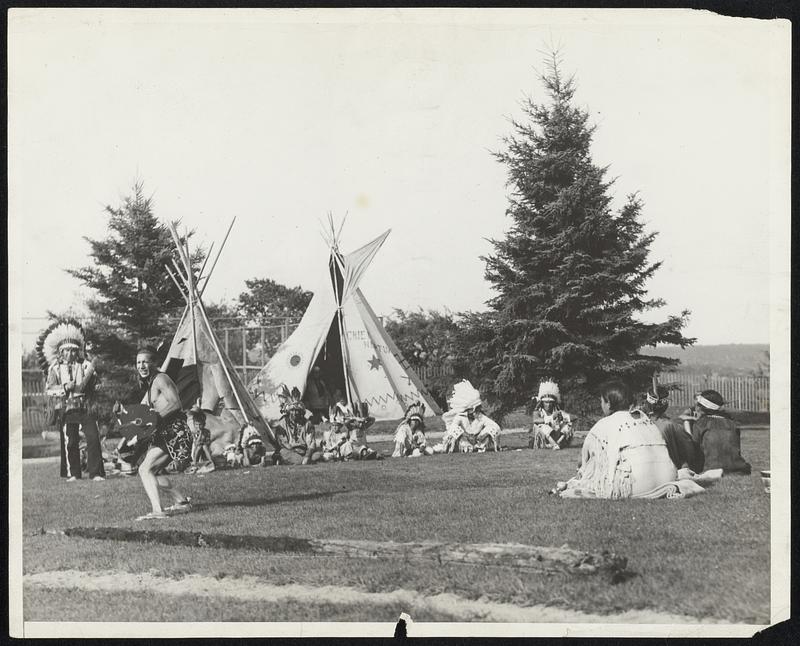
pixel 451 607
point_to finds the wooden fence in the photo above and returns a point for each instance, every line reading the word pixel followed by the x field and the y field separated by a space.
pixel 744 393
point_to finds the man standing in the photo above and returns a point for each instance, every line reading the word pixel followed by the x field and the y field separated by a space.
pixel 170 442
pixel 71 382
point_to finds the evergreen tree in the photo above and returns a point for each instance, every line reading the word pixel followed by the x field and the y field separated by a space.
pixel 266 300
pixel 134 296
pixel 570 276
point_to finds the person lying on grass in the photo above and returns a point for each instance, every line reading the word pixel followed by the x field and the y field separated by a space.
pixel 624 454
pixel 551 427
pixel 171 442
pixel 295 431
pixel 718 435
pixel 683 450
pixel 252 446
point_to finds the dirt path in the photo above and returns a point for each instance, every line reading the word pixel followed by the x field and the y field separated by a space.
pixel 449 606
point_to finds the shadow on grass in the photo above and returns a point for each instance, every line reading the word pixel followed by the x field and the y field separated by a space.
pixel 263 502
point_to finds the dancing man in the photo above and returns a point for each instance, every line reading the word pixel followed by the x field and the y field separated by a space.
pixel 171 442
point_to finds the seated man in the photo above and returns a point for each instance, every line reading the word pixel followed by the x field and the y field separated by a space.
pixel 718 435
pixel 623 455
pixel 483 431
pixel 357 424
pixel 295 431
pixel 464 398
pixel 683 451
pixel 336 440
pixel 551 428
pixel 404 435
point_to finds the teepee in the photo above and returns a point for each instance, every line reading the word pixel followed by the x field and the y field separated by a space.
pixel 199 366
pixel 340 334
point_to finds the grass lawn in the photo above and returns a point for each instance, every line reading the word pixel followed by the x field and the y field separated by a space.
pixel 703 557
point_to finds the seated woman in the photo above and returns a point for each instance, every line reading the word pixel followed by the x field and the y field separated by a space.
pixel 404 435
pixel 623 455
pixel 718 435
pixel 683 451
pixel 551 427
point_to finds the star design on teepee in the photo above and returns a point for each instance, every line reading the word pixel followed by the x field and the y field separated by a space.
pixel 374 363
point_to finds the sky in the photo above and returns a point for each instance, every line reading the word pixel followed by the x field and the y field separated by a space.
pixel 277 117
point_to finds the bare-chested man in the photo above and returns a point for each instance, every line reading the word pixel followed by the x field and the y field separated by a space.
pixel 171 441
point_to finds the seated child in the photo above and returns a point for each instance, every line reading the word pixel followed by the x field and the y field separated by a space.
pixel 201 439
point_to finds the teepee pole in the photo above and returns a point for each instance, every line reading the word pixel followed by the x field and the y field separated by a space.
pixel 213 338
pixel 219 251
pixel 183 253
pixel 175 280
pixel 340 319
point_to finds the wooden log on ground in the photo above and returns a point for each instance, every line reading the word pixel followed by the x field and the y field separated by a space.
pixel 530 557
pixel 563 559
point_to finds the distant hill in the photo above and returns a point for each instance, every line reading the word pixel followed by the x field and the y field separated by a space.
pixel 728 360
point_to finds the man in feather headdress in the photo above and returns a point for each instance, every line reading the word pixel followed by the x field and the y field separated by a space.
pixel 467 427
pixel 551 427
pixel 295 431
pixel 71 382
pixel 409 438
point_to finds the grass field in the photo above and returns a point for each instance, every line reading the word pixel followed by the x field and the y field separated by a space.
pixel 705 557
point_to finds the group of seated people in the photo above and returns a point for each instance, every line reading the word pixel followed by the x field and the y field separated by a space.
pixel 634 451
pixel 344 439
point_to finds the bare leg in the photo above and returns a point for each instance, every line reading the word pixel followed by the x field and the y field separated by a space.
pixel 154 460
pixel 165 486
pixel 207 451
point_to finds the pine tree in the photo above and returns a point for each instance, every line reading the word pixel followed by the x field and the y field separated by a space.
pixel 134 296
pixel 570 276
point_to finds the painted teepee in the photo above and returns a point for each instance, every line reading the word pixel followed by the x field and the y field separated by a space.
pixel 340 334
pixel 199 366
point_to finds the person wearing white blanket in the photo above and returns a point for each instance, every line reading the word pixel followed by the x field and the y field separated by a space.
pixel 624 455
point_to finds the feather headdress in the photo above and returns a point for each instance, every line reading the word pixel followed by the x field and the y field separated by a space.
pixel 291 400
pixel 60 334
pixel 465 397
pixel 415 411
pixel 548 389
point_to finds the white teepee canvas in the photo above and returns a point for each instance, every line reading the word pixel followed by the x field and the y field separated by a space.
pixel 340 334
pixel 202 371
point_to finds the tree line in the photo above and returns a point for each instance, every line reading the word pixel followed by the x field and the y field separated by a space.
pixel 569 278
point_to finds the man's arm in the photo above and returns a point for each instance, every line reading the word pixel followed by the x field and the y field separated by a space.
pixel 166 395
